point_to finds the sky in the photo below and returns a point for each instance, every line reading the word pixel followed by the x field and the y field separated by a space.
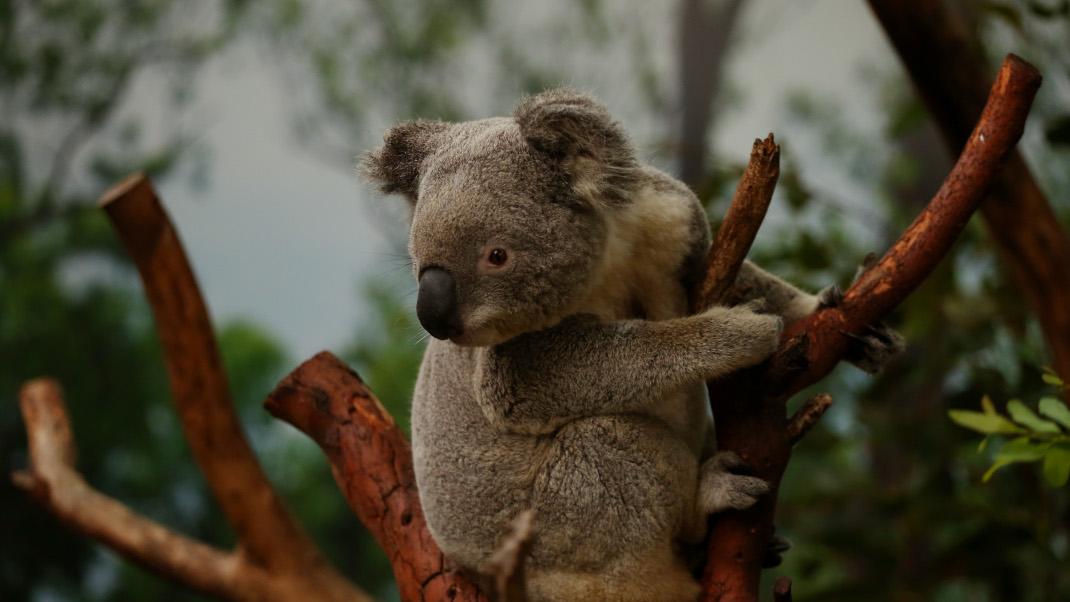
pixel 282 238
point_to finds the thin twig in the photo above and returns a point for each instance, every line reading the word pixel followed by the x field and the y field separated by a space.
pixel 507 563
pixel 807 416
pixel 782 590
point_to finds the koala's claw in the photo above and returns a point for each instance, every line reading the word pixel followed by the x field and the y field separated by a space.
pixel 830 296
pixel 875 347
pixel 722 488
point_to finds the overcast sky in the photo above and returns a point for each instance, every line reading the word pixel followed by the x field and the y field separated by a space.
pixel 282 238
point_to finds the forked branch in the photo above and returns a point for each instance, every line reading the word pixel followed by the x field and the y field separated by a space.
pixel 749 407
pixel 52 479
pixel 275 560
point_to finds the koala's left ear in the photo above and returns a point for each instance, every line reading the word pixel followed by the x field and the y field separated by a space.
pixel 576 130
pixel 396 165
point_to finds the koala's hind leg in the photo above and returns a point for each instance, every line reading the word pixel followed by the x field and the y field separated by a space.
pixel 721 486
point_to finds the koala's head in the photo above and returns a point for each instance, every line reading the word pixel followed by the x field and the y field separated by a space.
pixel 508 214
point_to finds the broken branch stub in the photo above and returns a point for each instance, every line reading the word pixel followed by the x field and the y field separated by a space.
pixel 737 231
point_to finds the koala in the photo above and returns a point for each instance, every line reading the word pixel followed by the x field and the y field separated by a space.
pixel 565 373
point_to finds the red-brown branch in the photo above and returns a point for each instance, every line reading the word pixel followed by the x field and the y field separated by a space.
pixel 749 407
pixel 52 479
pixel 372 463
pixel 745 215
pixel 268 533
pixel 928 239
pixel 807 416
pixel 949 70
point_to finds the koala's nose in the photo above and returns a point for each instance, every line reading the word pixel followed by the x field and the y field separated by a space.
pixel 436 304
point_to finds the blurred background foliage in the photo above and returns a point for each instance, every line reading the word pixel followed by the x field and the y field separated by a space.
pixel 882 501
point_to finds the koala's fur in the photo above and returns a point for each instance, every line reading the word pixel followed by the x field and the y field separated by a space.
pixel 576 386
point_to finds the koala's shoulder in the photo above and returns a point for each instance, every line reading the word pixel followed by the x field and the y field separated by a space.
pixel 691 223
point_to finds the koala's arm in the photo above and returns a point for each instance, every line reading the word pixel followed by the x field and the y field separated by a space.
pixel 870 350
pixel 779 297
pixel 538 381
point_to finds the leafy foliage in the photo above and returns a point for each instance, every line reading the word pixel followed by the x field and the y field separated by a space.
pixel 1041 438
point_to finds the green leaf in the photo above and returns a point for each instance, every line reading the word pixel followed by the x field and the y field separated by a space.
pixel 1022 449
pixel 1052 379
pixel 1015 451
pixel 1056 410
pixel 992 470
pixel 1026 417
pixel 984 423
pixel 987 405
pixel 983 445
pixel 1057 466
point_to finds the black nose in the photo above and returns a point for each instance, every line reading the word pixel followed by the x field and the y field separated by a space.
pixel 436 304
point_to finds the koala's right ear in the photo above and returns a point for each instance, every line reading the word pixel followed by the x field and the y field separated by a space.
pixel 396 165
pixel 578 132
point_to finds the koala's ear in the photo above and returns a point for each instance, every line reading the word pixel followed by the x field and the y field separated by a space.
pixel 577 130
pixel 396 165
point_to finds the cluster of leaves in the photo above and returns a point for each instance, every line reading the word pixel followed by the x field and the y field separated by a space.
pixel 1036 439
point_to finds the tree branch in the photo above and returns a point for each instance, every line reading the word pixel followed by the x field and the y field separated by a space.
pixel 749 407
pixel 825 334
pixel 740 225
pixel 372 464
pixel 53 481
pixel 782 590
pixel 948 68
pixel 807 416
pixel 267 531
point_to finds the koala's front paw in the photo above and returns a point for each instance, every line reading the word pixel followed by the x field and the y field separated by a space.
pixel 877 344
pixel 723 487
pixel 739 337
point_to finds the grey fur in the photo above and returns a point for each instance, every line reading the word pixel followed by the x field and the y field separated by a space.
pixel 576 387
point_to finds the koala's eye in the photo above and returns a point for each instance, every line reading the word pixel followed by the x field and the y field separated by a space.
pixel 497 257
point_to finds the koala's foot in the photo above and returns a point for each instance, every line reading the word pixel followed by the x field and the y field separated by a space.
pixel 738 337
pixel 875 346
pixel 724 486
